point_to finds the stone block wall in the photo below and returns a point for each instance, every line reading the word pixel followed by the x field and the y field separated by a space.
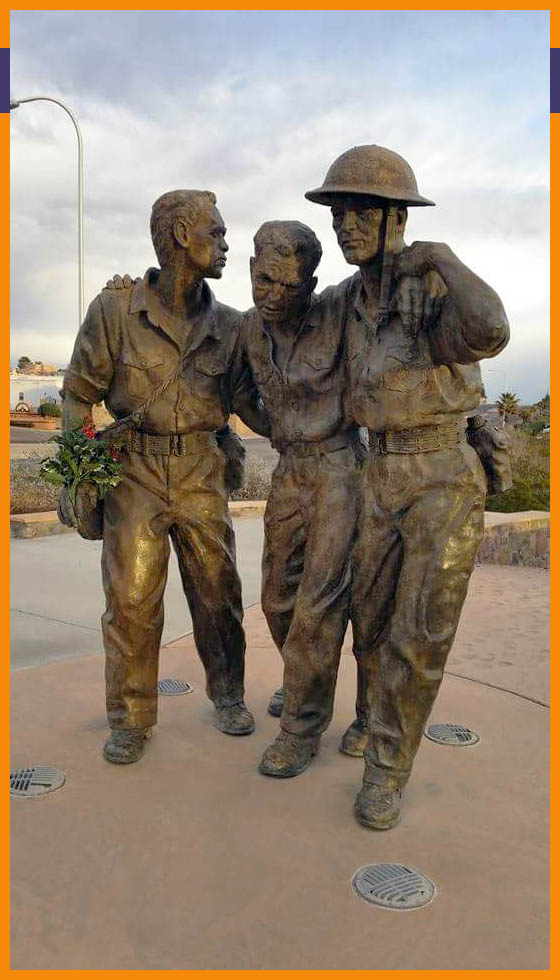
pixel 516 539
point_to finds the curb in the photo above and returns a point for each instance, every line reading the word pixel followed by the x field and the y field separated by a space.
pixel 509 539
pixel 46 523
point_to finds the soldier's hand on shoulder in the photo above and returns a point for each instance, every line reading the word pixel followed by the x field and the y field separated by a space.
pixel 419 258
pixel 418 299
pixel 120 282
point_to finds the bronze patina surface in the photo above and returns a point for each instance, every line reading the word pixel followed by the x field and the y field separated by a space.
pixel 168 325
pixel 294 342
pixel 414 376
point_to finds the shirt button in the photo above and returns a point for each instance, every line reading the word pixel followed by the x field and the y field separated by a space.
pixel 295 406
pixel 180 407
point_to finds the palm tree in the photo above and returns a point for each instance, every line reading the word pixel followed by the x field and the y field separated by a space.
pixel 507 404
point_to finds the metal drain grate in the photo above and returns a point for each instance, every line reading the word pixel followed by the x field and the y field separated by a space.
pixel 451 735
pixel 36 781
pixel 172 686
pixel 393 886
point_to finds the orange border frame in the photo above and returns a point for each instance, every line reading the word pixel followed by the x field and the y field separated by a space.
pixel 4 489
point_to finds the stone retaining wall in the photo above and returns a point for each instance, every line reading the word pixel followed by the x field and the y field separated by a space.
pixel 516 539
pixel 509 539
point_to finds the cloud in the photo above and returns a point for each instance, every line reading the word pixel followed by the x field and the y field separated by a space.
pixel 255 106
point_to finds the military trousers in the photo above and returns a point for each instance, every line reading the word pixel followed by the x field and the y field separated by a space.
pixel 182 498
pixel 310 523
pixel 420 526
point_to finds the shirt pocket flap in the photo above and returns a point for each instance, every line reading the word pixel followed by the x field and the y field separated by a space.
pixel 141 361
pixel 208 364
pixel 320 361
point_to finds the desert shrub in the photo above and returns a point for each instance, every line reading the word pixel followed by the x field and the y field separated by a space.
pixel 530 464
pixel 50 410
pixel 256 480
pixel 28 493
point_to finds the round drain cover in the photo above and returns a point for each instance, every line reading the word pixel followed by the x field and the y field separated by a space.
pixel 36 781
pixel 171 686
pixel 393 886
pixel 451 735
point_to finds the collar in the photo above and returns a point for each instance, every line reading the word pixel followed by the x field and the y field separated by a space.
pixel 358 301
pixel 203 320
pixel 311 319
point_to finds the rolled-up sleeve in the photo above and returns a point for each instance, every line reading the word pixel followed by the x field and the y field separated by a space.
pixel 90 370
pixel 460 341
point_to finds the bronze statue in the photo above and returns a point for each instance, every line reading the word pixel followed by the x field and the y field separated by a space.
pixel 166 350
pixel 413 378
pixel 294 343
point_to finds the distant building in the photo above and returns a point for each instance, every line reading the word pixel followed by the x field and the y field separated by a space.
pixel 34 388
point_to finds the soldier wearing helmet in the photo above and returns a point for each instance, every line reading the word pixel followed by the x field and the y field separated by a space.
pixel 413 364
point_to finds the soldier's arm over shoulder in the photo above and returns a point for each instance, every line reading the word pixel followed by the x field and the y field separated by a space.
pixel 90 371
pixel 245 397
pixel 472 323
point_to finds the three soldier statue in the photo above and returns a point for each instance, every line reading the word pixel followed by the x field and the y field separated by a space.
pixel 379 530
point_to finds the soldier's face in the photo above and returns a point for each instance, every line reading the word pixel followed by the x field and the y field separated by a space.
pixel 281 287
pixel 357 228
pixel 206 244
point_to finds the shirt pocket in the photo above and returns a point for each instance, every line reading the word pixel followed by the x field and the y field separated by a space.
pixel 318 369
pixel 142 373
pixel 208 374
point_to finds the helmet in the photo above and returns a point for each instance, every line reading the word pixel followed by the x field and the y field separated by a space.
pixel 372 171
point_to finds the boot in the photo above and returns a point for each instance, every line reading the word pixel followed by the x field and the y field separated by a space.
pixel 288 755
pixel 235 719
pixel 125 745
pixel 276 703
pixel 354 740
pixel 377 807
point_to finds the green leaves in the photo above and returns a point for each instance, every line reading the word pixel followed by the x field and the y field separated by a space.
pixel 81 458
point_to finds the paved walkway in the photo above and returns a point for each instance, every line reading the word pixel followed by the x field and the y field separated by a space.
pixel 192 860
pixel 56 597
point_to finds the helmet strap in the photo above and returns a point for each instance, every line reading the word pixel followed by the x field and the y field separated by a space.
pixel 386 236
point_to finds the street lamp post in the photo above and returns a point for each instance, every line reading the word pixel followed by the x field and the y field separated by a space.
pixel 14 103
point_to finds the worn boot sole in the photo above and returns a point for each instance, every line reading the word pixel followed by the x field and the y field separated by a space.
pixel 276 704
pixel 375 823
pixel 234 731
pixel 121 760
pixel 287 773
pixel 353 745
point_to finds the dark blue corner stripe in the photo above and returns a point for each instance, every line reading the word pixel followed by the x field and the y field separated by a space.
pixel 555 79
pixel 4 79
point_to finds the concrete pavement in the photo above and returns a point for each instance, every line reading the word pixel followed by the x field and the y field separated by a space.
pixel 192 860
pixel 57 598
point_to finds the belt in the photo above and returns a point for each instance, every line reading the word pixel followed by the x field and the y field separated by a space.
pixel 422 439
pixel 175 444
pixel 339 441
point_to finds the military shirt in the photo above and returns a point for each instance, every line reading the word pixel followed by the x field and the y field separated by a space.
pixel 398 380
pixel 305 400
pixel 129 343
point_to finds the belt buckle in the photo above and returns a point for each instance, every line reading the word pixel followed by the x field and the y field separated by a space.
pixel 174 444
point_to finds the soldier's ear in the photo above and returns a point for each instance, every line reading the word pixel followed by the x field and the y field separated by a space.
pixel 402 215
pixel 181 233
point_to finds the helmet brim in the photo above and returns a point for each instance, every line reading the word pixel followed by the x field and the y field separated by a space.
pixel 326 195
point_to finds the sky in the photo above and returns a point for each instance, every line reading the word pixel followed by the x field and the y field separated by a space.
pixel 255 105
